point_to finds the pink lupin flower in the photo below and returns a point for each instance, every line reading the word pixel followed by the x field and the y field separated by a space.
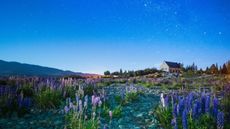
pixel 110 114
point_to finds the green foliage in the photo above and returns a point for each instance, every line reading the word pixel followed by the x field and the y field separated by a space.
pixel 164 116
pixel 88 90
pixel 118 99
pixel 145 84
pixel 106 73
pixel 9 105
pixel 69 91
pixel 131 97
pixel 75 120
pixel 206 122
pixel 48 98
pixel 26 90
pixel 117 112
pixel 135 73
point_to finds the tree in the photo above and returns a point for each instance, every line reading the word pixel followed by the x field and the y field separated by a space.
pixel 121 72
pixel 213 69
pixel 224 70
pixel 107 73
pixel 207 71
pixel 228 67
pixel 116 73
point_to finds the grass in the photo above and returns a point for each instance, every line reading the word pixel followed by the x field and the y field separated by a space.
pixel 48 99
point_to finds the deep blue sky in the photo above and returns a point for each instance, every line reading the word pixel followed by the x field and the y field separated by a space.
pixel 98 35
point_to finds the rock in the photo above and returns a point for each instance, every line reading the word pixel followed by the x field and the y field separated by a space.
pixel 147 120
pixel 31 122
pixel 120 120
pixel 21 122
pixel 150 113
pixel 57 122
pixel 152 125
pixel 139 115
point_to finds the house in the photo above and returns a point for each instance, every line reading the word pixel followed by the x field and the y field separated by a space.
pixel 171 67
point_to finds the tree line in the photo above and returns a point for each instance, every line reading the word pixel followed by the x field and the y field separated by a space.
pixel 193 69
pixel 132 73
pixel 213 69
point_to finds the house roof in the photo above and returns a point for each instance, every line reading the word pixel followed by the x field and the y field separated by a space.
pixel 173 64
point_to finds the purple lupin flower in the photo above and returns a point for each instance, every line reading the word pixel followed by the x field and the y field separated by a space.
pixel 215 107
pixel 207 104
pixel 174 123
pixel 96 101
pixel 85 104
pixel 166 101
pixel 181 105
pixel 195 110
pixel 184 120
pixel 220 120
pixel 199 109
pixel 178 110
pixel 175 110
pixel 93 97
pixel 203 99
pixel 76 98
pixel 190 98
pixel 86 98
pixel 27 102
pixel 70 105
pixel 80 105
pixel 105 127
pixel 66 109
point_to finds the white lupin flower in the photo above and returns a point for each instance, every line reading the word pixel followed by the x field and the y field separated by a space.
pixel 162 100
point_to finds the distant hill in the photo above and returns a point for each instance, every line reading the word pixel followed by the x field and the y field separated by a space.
pixel 21 69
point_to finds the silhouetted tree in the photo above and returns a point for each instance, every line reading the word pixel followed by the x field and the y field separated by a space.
pixel 106 73
pixel 121 72
pixel 224 70
pixel 213 69
pixel 228 67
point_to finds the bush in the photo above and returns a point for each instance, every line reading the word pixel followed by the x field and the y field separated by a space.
pixel 14 104
pixel 69 92
pixel 26 90
pixel 75 120
pixel 117 112
pixel 131 96
pixel 164 116
pixel 48 99
pixel 118 99
pixel 88 90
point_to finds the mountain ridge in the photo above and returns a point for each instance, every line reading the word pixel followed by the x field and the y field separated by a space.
pixel 13 68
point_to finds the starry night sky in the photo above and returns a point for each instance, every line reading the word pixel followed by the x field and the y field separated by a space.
pixel 98 35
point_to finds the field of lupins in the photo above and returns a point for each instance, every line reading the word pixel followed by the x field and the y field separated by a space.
pixel 94 103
